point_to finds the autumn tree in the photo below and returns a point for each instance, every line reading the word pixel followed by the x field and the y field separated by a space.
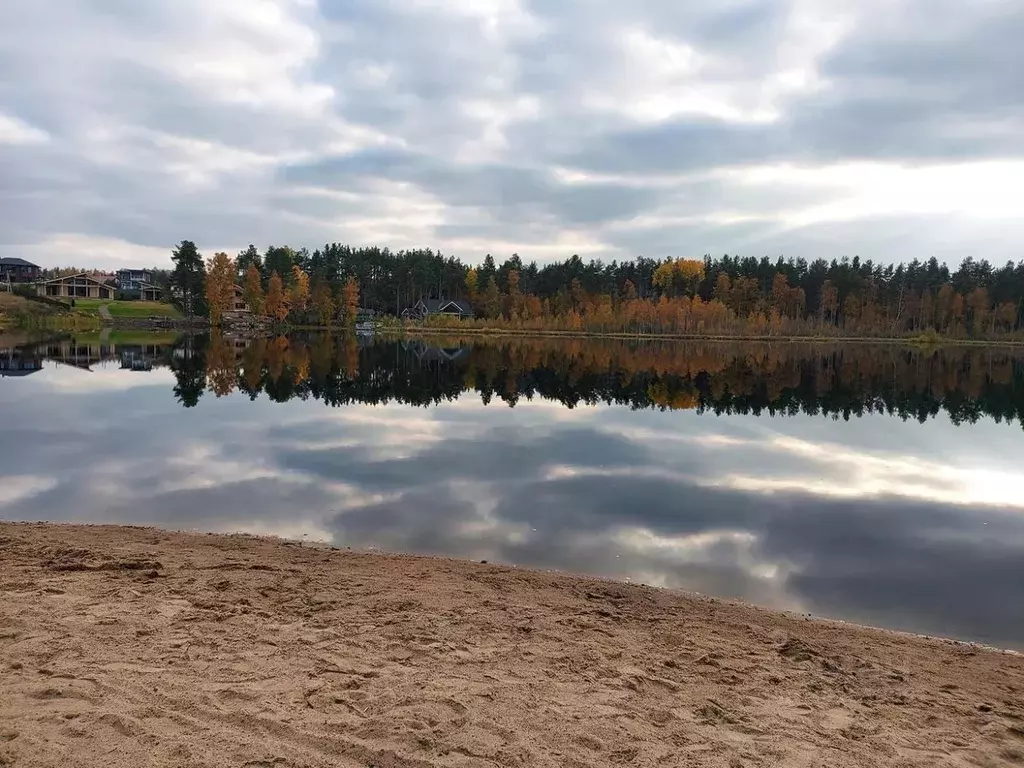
pixel 252 289
pixel 980 307
pixel 220 286
pixel 828 306
pixel 723 288
pixel 679 276
pixel 299 293
pixel 276 307
pixel 324 304
pixel 221 367
pixel 349 302
pixel 472 287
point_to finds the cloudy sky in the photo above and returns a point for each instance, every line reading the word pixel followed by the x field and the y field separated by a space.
pixel 885 128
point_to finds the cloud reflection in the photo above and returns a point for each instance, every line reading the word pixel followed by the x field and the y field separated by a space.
pixel 773 510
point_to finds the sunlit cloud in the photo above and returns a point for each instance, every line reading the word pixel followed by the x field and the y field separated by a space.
pixel 611 130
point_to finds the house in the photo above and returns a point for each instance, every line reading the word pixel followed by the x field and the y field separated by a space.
pixel 239 304
pixel 18 271
pixel 80 286
pixel 425 308
pixel 131 280
pixel 149 292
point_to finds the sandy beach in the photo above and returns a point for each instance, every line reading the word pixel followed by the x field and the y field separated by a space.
pixel 139 647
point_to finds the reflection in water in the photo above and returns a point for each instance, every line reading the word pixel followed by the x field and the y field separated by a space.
pixel 843 381
pixel 611 461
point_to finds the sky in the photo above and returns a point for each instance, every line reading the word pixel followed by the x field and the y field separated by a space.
pixel 889 129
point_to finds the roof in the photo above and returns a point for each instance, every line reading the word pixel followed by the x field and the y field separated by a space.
pixel 99 279
pixel 11 261
pixel 442 305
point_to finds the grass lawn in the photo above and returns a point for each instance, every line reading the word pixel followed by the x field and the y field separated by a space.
pixel 128 308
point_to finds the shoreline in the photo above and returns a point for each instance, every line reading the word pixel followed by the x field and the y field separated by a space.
pixel 909 341
pixel 127 646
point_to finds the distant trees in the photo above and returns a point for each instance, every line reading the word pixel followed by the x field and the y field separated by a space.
pixel 726 294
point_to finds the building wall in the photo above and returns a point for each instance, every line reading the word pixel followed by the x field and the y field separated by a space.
pixel 73 288
pixel 18 273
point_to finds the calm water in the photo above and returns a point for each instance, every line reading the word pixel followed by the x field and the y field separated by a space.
pixel 869 483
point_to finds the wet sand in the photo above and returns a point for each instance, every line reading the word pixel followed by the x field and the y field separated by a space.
pixel 139 647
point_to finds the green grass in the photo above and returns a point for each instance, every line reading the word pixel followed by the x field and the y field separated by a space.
pixel 128 308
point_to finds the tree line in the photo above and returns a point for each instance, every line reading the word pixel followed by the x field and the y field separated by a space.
pixel 210 288
pixel 833 381
pixel 727 294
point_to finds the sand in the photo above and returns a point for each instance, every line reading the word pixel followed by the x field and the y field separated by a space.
pixel 138 647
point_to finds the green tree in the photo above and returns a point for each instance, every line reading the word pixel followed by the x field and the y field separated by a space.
pixel 188 279
pixel 250 257
pixel 279 259
pixel 492 299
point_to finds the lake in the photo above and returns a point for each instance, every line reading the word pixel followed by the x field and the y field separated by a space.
pixel 872 483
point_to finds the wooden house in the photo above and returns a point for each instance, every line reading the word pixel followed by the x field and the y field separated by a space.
pixel 80 286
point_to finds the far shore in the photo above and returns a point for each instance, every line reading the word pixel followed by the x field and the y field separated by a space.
pixel 929 341
pixel 124 646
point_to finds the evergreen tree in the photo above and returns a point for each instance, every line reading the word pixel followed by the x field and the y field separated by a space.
pixel 188 279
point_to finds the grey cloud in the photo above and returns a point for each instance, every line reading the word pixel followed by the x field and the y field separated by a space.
pixel 476 117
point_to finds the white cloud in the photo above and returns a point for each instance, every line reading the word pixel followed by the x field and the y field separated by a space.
pixel 15 131
pixel 607 129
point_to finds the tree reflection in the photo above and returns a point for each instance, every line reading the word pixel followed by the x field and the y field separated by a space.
pixel 839 381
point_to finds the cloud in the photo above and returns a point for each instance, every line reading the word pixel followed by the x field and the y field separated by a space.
pixel 798 127
pixel 915 526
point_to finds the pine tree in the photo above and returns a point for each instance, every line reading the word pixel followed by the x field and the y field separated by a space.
pixel 188 279
pixel 250 257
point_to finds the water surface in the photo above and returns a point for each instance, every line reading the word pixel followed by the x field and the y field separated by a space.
pixel 868 483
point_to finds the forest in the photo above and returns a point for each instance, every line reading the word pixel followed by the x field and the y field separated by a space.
pixel 835 381
pixel 724 295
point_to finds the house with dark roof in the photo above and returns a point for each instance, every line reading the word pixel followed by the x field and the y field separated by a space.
pixel 18 270
pixel 425 308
